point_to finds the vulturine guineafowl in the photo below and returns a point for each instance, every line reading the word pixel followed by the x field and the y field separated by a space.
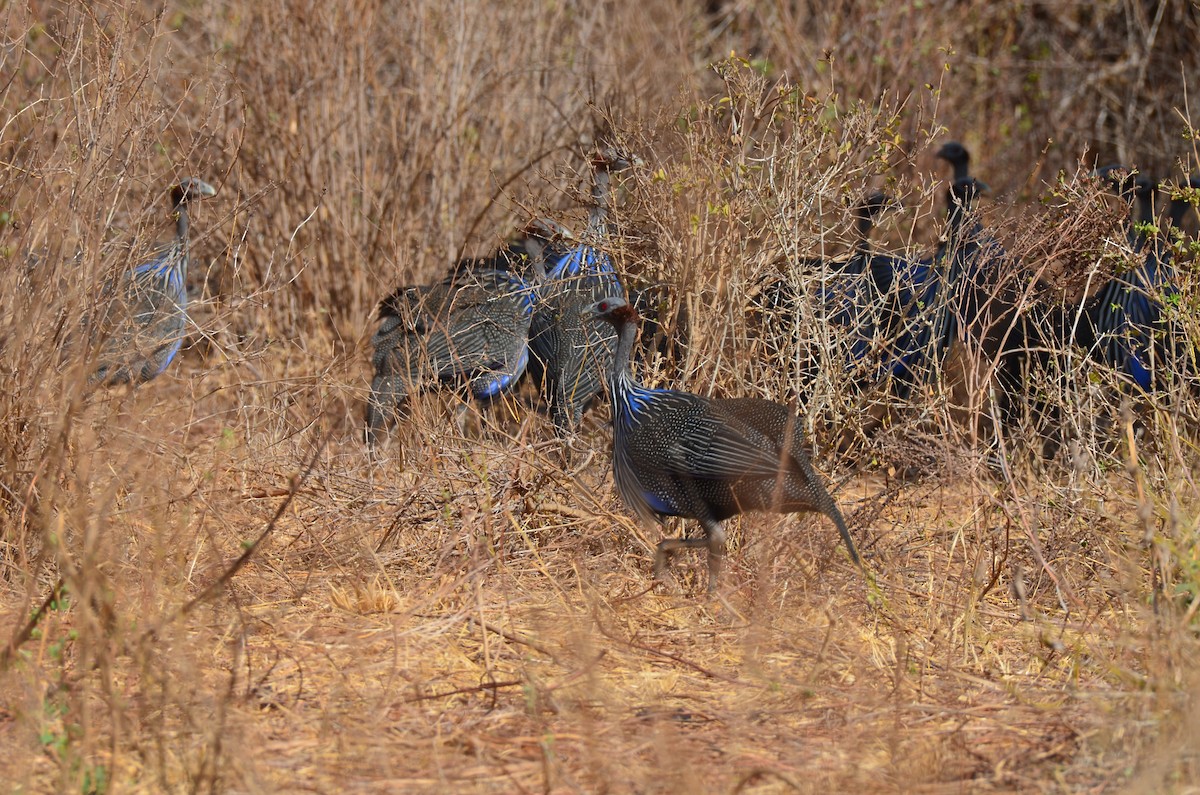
pixel 850 291
pixel 471 328
pixel 857 287
pixel 1122 325
pixel 971 251
pixel 1124 319
pixel 1037 366
pixel 570 355
pixel 144 328
pixel 934 295
pixel 775 293
pixel 958 157
pixel 680 454
pixel 911 289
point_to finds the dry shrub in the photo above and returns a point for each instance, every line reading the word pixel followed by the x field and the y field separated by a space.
pixel 1028 86
pixel 746 192
pixel 208 587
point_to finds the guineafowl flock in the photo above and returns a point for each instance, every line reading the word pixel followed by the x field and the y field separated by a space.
pixel 553 308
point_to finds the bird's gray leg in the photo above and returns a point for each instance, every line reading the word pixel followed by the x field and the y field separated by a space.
pixel 713 541
pixel 715 535
pixel 662 555
pixel 462 415
pixel 379 403
pixel 383 405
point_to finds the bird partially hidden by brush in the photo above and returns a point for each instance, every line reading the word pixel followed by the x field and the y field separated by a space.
pixel 1124 325
pixel 680 454
pixel 144 327
pixel 933 294
pixel 852 293
pixel 958 157
pixel 470 328
pixel 569 355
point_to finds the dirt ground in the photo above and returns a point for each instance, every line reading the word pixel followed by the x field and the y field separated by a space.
pixel 481 618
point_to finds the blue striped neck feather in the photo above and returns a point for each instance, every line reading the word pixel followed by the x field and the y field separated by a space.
pixel 629 397
pixel 171 259
pixel 585 259
pixel 528 298
pixel 168 269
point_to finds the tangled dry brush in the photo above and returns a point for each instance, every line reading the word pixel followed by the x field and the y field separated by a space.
pixel 206 584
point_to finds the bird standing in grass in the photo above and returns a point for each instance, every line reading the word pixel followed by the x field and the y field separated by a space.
pixel 855 296
pixel 1125 319
pixel 850 294
pixel 145 327
pixel 936 295
pixel 570 355
pixel 472 328
pixel 680 454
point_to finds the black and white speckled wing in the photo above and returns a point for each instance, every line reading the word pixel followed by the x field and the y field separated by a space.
pixel 573 354
pixel 148 321
pixel 706 442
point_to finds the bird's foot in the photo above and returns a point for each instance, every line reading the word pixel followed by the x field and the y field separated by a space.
pixel 662 562
pixel 730 614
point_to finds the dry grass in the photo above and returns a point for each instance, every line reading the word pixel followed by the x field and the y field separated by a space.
pixel 205 585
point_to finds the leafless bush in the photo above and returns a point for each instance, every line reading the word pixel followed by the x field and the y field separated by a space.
pixel 206 586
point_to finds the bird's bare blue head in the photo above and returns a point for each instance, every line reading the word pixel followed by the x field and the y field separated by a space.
pixel 189 189
pixel 614 309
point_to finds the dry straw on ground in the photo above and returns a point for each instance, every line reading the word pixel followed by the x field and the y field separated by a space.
pixel 205 585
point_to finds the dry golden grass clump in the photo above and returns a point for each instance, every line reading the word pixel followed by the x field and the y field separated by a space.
pixel 207 585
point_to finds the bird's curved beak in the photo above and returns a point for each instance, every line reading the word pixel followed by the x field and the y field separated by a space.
pixel 195 188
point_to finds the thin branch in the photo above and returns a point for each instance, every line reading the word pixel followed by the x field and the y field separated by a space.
pixel 493 686
pixel 18 639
